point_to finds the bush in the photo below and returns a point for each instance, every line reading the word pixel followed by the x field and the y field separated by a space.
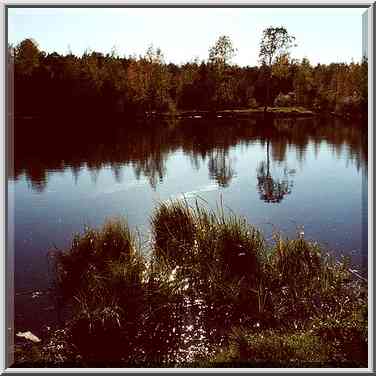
pixel 348 106
pixel 283 100
pixel 252 103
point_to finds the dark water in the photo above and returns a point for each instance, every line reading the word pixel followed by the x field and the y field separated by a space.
pixel 284 175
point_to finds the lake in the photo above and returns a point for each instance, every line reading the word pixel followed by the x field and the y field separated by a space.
pixel 286 175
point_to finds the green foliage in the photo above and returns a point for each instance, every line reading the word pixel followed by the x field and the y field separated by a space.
pixel 347 337
pixel 271 348
pixel 329 343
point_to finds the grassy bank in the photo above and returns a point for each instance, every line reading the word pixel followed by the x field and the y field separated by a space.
pixel 207 291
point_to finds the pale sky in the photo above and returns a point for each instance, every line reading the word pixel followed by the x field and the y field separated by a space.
pixel 323 35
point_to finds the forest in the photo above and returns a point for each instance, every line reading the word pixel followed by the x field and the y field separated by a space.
pixel 108 84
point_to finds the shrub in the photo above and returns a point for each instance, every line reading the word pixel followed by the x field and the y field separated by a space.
pixel 283 100
pixel 349 106
pixel 252 103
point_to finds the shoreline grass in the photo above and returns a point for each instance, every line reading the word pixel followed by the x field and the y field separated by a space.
pixel 211 292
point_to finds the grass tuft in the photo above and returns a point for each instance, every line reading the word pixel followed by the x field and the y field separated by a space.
pixel 207 273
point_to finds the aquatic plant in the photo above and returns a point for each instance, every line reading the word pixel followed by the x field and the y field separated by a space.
pixel 209 291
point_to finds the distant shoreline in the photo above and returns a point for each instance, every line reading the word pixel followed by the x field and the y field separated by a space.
pixel 243 113
pixel 230 113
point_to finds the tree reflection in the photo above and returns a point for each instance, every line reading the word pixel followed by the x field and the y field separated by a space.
pixel 146 149
pixel 153 168
pixel 220 167
pixel 38 178
pixel 271 190
pixel 118 172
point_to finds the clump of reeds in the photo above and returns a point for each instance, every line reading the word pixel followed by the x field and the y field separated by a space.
pixel 93 252
pixel 133 309
pixel 174 229
pixel 305 282
pixel 207 239
pixel 115 294
pixel 217 255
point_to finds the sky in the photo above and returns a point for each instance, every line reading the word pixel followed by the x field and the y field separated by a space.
pixel 323 35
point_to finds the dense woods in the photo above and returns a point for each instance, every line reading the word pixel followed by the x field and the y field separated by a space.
pixel 96 83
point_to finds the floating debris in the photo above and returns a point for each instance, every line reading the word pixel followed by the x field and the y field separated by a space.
pixel 36 294
pixel 28 335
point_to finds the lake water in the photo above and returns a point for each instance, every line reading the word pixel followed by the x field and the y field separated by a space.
pixel 286 175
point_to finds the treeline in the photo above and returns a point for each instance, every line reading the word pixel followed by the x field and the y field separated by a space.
pixel 96 83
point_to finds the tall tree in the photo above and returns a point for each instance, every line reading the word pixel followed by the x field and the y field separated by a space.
pixel 222 52
pixel 27 56
pixel 220 56
pixel 276 41
pixel 304 83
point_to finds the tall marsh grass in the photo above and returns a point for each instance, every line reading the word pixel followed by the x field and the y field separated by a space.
pixel 210 278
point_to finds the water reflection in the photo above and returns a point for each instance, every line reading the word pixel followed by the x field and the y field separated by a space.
pixel 272 190
pixel 220 167
pixel 68 173
pixel 42 148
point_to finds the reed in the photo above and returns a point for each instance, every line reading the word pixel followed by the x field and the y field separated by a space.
pixel 208 272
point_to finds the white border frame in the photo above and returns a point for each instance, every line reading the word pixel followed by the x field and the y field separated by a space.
pixel 192 3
